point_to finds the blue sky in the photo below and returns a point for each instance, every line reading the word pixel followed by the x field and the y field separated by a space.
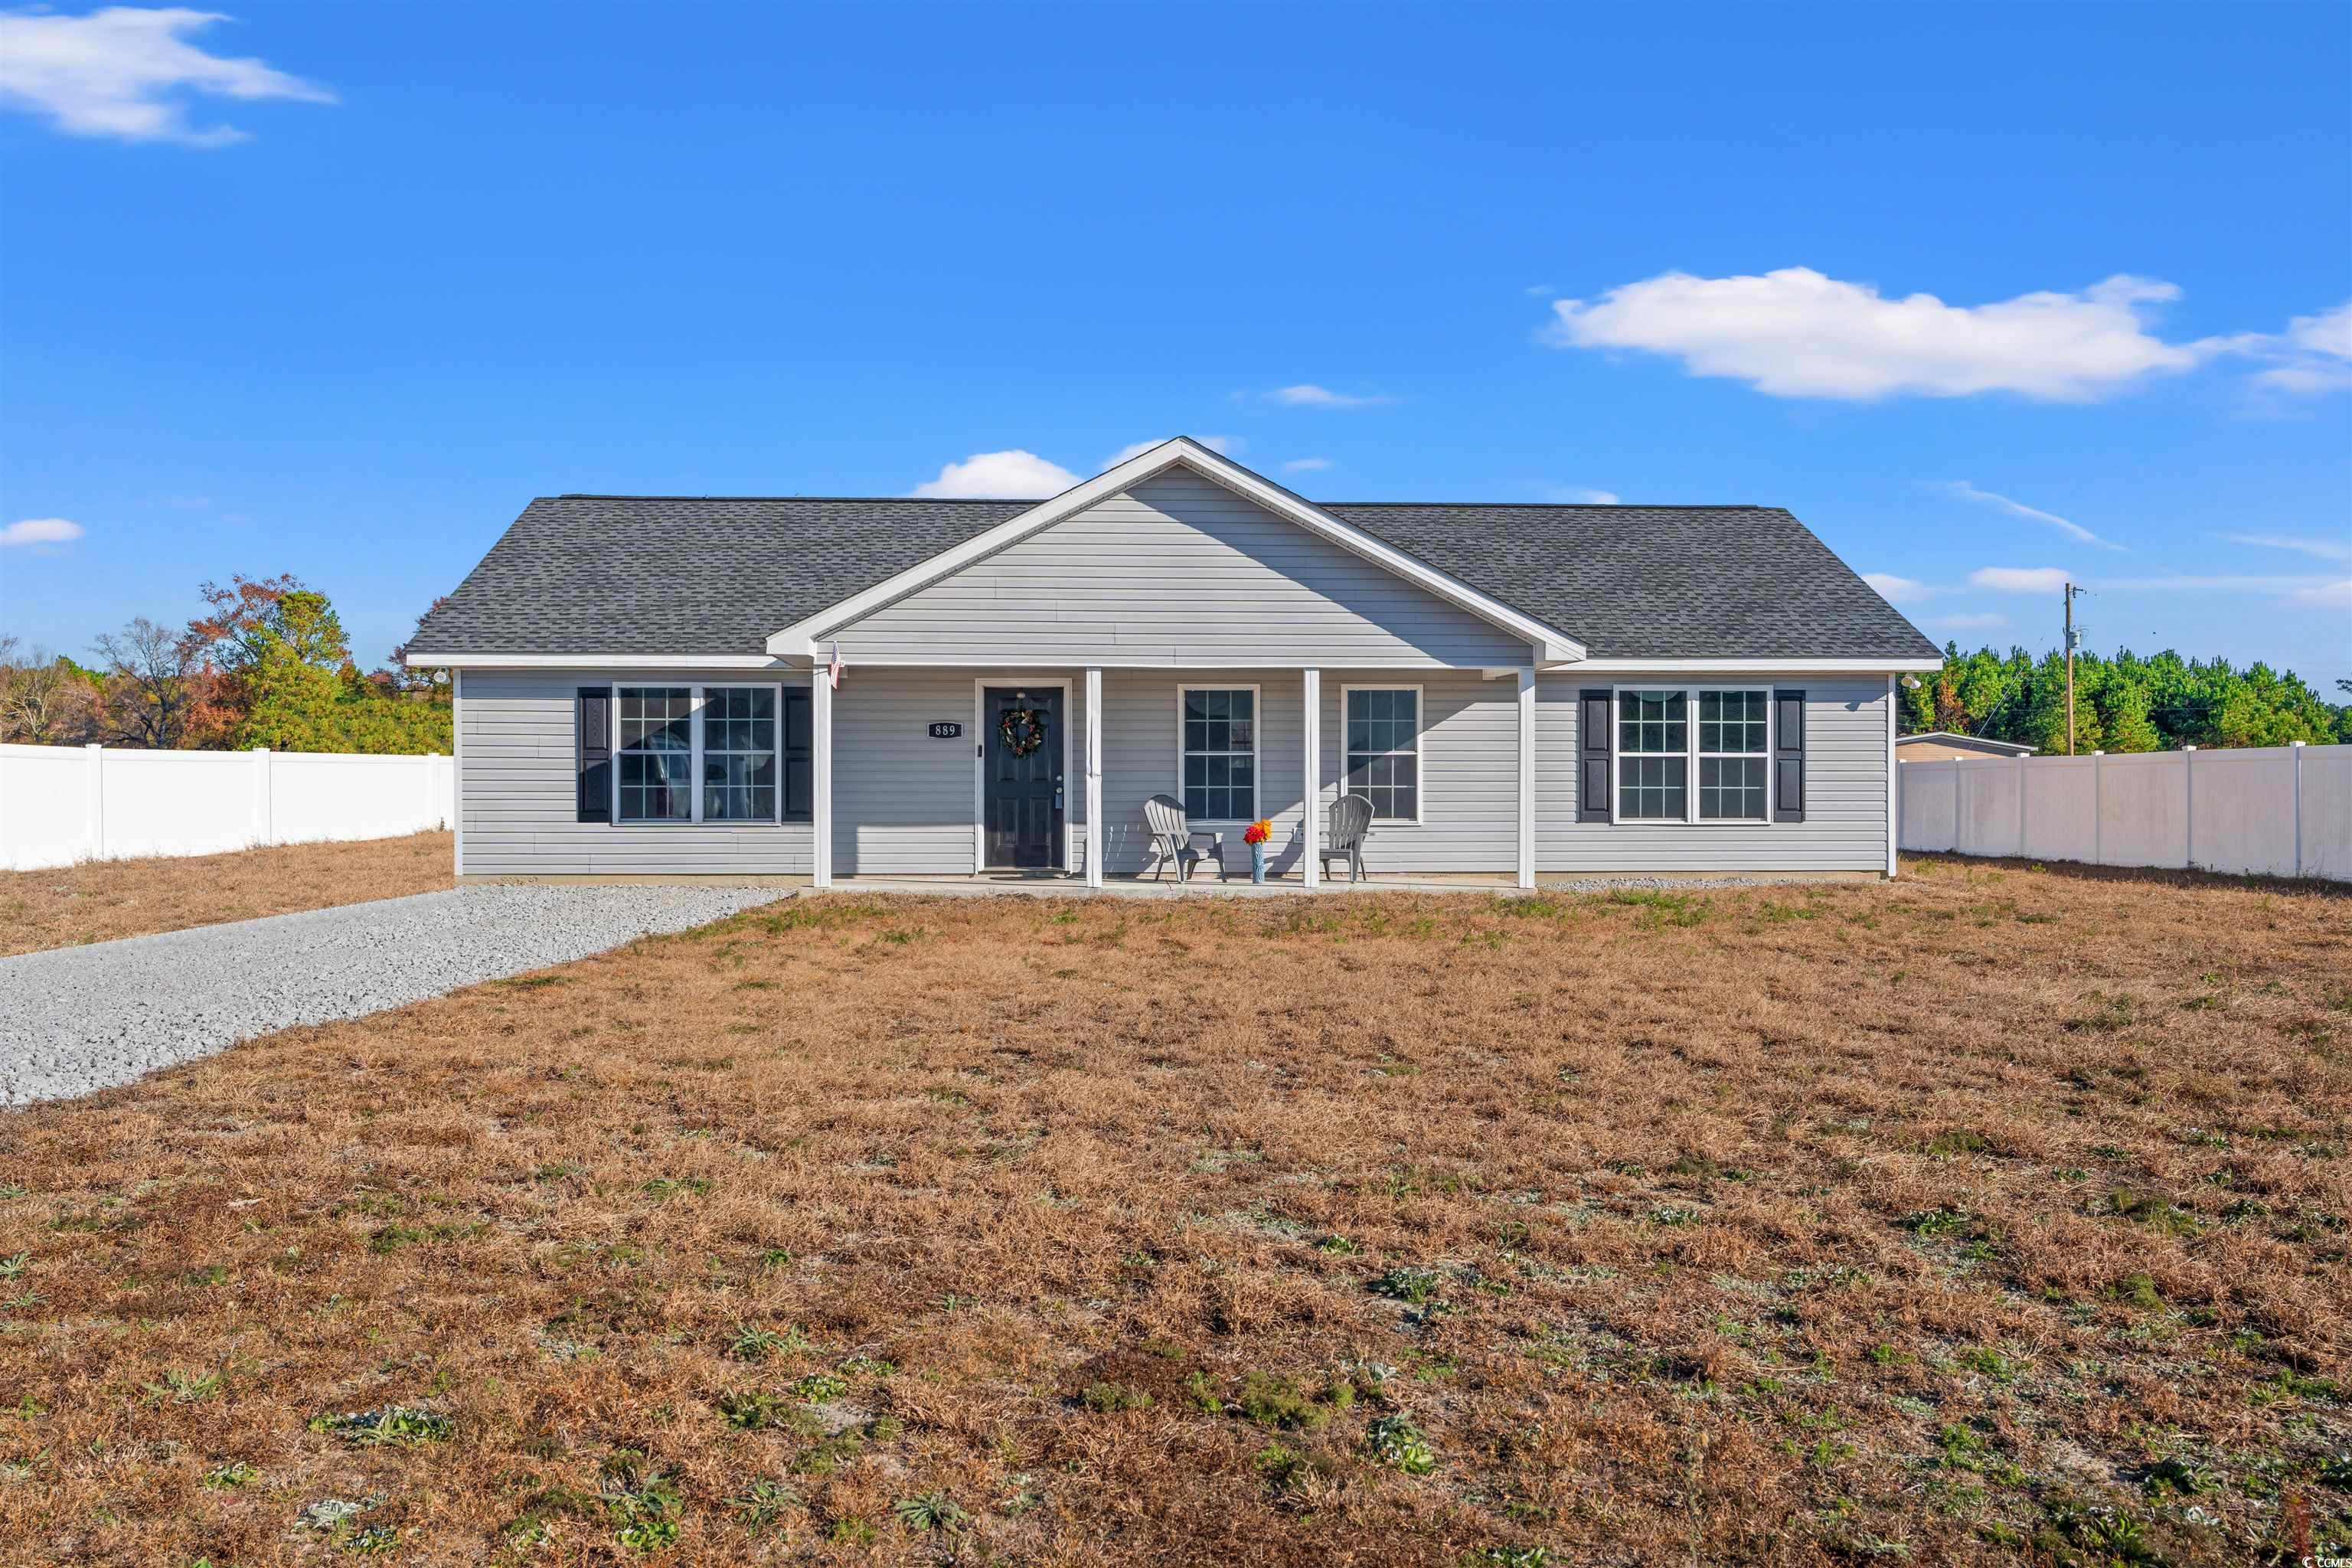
pixel 335 290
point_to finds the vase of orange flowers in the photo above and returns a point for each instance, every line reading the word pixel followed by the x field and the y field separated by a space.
pixel 1255 836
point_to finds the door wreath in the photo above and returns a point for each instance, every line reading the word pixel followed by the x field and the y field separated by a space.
pixel 1020 731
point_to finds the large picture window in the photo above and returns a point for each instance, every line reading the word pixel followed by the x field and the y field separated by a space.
pixel 1698 754
pixel 701 754
pixel 1383 749
pixel 1220 753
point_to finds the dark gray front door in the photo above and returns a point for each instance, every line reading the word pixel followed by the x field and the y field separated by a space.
pixel 1021 797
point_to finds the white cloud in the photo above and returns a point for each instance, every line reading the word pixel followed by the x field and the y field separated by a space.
pixel 2324 548
pixel 1540 291
pixel 1966 492
pixel 2326 591
pixel 2020 579
pixel 1228 445
pixel 1897 590
pixel 120 72
pixel 2315 351
pixel 1796 332
pixel 2310 376
pixel 1133 449
pixel 2328 332
pixel 1306 465
pixel 1578 495
pixel 1013 475
pixel 1309 396
pixel 40 531
pixel 1972 621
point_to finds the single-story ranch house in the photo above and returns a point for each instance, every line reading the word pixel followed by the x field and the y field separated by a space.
pixel 675 685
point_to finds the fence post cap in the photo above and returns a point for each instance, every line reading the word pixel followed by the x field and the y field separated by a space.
pixel 2098 753
pixel 2298 742
pixel 99 746
pixel 2188 748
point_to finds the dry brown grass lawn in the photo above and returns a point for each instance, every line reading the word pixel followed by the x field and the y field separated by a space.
pixel 1996 1211
pixel 99 900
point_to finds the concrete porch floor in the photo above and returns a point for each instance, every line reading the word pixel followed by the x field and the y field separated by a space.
pixel 1059 884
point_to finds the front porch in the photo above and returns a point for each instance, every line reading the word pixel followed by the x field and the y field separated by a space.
pixel 1202 884
pixel 913 781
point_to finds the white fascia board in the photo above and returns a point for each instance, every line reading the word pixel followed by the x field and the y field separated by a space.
pixel 1746 666
pixel 1551 643
pixel 595 661
pixel 822 648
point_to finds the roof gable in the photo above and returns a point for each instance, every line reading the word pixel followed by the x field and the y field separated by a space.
pixel 1175 571
pixel 1551 643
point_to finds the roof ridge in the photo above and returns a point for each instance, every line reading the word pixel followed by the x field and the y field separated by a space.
pixel 1574 505
pixel 1021 500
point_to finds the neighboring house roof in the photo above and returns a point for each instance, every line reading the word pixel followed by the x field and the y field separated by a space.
pixel 1943 741
pixel 717 575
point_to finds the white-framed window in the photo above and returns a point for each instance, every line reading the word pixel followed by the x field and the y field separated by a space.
pixel 738 753
pixel 1217 743
pixel 1381 741
pixel 1692 754
pixel 1653 756
pixel 1734 754
pixel 655 753
pixel 698 754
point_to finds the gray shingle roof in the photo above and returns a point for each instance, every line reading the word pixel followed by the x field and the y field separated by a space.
pixel 683 574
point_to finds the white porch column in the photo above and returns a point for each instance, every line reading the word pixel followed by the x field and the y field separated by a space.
pixel 1095 844
pixel 820 774
pixel 1527 776
pixel 1311 865
pixel 1894 785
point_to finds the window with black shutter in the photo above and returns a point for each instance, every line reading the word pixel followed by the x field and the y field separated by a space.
pixel 593 715
pixel 800 803
pixel 1787 756
pixel 1592 740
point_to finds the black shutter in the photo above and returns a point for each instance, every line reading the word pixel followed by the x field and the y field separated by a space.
pixel 800 803
pixel 1787 756
pixel 1595 734
pixel 595 709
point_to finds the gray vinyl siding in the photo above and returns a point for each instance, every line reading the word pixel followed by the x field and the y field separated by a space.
pixel 1141 759
pixel 902 802
pixel 519 802
pixel 1469 773
pixel 1179 571
pixel 1845 792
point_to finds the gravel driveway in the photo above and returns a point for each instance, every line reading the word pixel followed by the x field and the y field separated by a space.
pixel 76 1019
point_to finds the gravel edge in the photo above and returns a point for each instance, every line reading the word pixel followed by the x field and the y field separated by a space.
pixel 79 1019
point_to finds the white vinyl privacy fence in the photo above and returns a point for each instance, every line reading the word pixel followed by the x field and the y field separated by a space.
pixel 63 804
pixel 2282 811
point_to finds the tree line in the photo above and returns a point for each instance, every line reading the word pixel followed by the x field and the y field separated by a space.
pixel 2124 703
pixel 266 664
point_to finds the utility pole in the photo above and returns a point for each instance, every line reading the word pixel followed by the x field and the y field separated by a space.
pixel 2071 591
